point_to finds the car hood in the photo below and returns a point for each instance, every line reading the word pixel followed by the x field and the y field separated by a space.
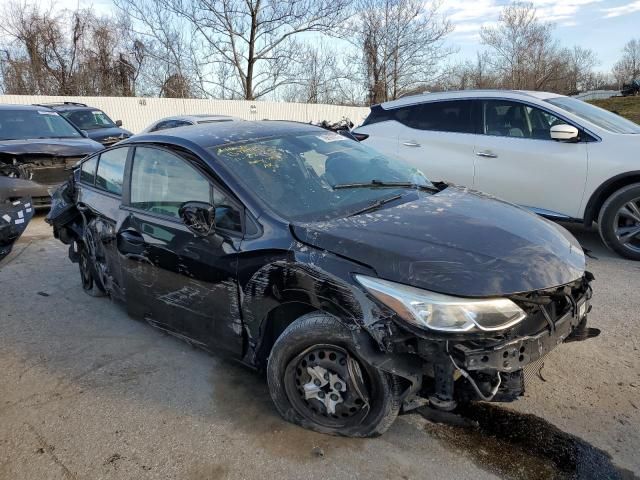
pixel 55 147
pixel 455 242
pixel 115 133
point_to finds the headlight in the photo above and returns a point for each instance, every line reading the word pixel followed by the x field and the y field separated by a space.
pixel 443 313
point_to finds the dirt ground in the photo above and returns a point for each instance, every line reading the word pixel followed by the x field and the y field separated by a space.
pixel 87 392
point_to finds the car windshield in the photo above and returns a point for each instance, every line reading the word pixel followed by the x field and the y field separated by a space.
pixel 596 115
pixel 31 124
pixel 89 119
pixel 311 177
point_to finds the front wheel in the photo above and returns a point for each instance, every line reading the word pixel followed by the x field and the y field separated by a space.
pixel 619 221
pixel 318 382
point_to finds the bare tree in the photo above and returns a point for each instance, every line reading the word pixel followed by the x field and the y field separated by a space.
pixel 402 45
pixel 522 49
pixel 579 63
pixel 253 39
pixel 628 67
pixel 72 53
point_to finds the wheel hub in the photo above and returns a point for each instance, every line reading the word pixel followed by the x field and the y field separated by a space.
pixel 627 224
pixel 324 386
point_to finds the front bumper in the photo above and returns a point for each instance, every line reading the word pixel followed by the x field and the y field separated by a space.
pixel 516 354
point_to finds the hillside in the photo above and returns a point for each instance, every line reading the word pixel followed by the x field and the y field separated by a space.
pixel 628 107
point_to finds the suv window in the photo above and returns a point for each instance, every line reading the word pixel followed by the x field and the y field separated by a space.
pixel 506 118
pixel 162 181
pixel 452 116
pixel 88 170
pixel 110 174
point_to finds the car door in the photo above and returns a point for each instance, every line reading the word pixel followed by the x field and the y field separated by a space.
pixel 181 282
pixel 437 138
pixel 517 160
pixel 102 180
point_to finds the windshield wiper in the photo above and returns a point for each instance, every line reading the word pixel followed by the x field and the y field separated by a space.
pixel 375 205
pixel 381 184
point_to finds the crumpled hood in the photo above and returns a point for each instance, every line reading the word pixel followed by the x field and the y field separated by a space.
pixel 455 242
pixel 56 147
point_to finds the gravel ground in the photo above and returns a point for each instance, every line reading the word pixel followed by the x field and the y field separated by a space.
pixel 86 392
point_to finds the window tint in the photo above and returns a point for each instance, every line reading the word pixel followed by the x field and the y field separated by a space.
pixel 110 175
pixel 44 123
pixel 161 182
pixel 89 119
pixel 88 170
pixel 453 116
pixel 513 119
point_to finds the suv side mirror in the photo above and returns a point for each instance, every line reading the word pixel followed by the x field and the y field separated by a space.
pixel 84 133
pixel 199 217
pixel 564 133
pixel 118 123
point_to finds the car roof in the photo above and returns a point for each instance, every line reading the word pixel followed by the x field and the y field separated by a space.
pixel 66 106
pixel 10 106
pixel 208 135
pixel 462 94
pixel 197 118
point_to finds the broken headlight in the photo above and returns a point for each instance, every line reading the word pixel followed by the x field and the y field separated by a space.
pixel 443 313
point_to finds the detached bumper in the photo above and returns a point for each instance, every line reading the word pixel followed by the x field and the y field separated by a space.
pixel 514 355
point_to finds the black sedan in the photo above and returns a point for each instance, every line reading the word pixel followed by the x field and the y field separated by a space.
pixel 358 285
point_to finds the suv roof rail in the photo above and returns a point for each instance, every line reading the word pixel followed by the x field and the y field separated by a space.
pixel 55 104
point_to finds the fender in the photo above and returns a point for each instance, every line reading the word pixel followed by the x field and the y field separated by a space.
pixel 603 191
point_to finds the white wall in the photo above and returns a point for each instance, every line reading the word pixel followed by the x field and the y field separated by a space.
pixel 136 113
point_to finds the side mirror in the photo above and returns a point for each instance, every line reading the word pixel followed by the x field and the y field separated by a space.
pixel 118 123
pixel 84 133
pixel 564 133
pixel 199 217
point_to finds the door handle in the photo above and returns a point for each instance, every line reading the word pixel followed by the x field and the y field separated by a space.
pixel 130 242
pixel 487 154
pixel 411 144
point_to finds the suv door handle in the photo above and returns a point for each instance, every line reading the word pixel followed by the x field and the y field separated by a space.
pixel 487 154
pixel 411 144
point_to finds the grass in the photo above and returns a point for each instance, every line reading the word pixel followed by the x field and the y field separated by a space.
pixel 628 107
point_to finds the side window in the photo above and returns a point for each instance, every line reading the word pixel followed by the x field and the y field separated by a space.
pixel 452 116
pixel 88 170
pixel 162 181
pixel 110 174
pixel 506 118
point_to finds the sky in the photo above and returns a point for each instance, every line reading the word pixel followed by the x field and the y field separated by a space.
pixel 604 26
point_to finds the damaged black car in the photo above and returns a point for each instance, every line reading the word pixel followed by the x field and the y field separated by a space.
pixel 359 286
pixel 39 145
pixel 16 210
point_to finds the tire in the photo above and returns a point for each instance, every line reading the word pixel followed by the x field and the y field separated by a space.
pixel 615 217
pixel 91 284
pixel 370 399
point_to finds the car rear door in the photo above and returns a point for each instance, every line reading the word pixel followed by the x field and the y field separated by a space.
pixel 517 160
pixel 438 138
pixel 178 281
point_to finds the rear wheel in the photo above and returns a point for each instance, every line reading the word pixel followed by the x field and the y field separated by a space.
pixel 317 381
pixel 91 284
pixel 619 221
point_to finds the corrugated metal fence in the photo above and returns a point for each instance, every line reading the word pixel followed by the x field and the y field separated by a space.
pixel 138 112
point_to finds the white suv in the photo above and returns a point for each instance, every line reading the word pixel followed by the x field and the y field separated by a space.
pixel 560 157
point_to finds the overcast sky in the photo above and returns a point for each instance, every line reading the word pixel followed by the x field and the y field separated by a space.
pixel 601 25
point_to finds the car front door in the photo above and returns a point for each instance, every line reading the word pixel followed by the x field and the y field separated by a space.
pixel 179 281
pixel 517 160
pixel 437 138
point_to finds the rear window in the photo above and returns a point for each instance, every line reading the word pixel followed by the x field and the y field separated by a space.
pixel 110 175
pixel 452 116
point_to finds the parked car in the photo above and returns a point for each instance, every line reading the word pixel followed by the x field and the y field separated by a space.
pixel 631 88
pixel 558 156
pixel 356 283
pixel 37 144
pixel 185 120
pixel 16 210
pixel 93 121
